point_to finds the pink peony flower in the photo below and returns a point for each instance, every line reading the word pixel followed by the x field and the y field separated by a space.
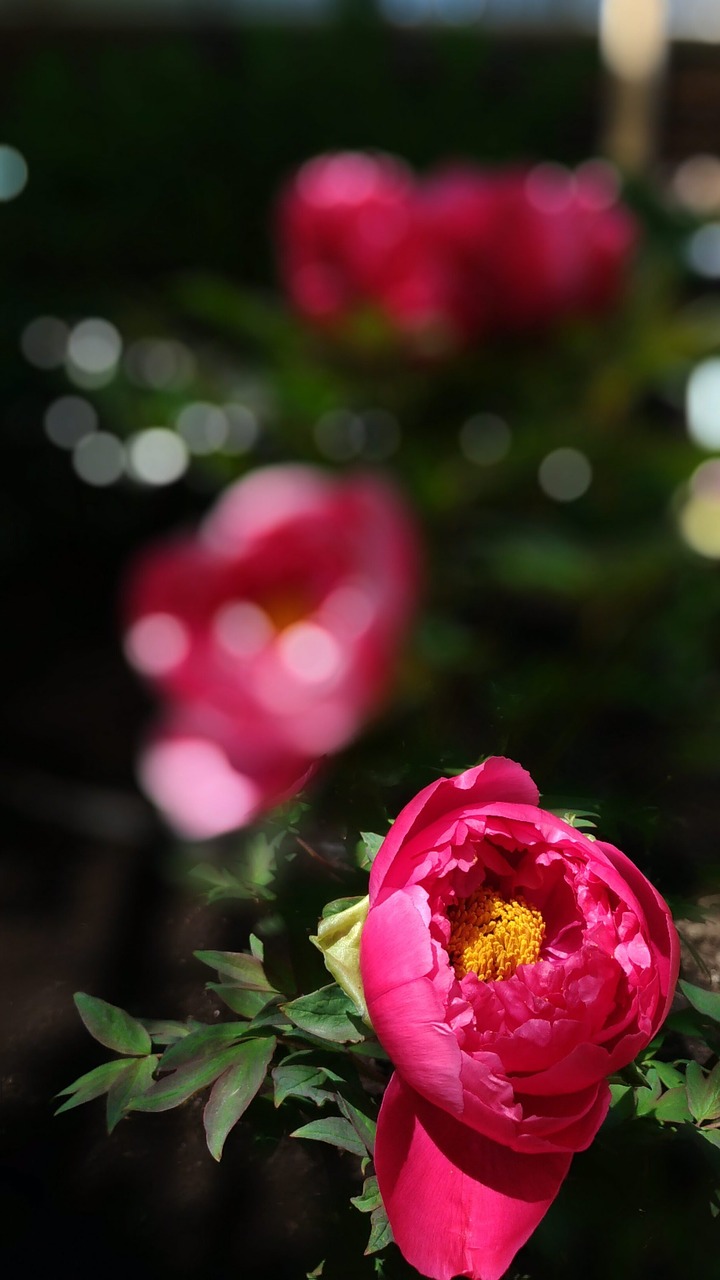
pixel 349 239
pixel 562 246
pixel 271 634
pixel 510 964
pixel 460 255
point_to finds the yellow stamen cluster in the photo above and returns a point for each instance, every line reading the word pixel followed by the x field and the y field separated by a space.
pixel 491 936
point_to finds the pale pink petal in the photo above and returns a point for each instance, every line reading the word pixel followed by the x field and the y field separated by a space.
pixel 206 781
pixel 458 1204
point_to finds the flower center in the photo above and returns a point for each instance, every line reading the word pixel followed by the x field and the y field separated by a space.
pixel 491 935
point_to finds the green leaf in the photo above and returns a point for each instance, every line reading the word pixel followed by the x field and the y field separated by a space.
pixel 622 1104
pixel 257 948
pixel 312 1275
pixel 706 1002
pixel 181 1084
pixel 673 1107
pixel 234 1090
pixel 364 1127
pixel 335 1130
pixel 112 1026
pixel 340 904
pixel 327 1013
pixel 687 1022
pixel 703 1091
pixel 303 1080
pixel 370 1198
pixel 669 1075
pixel 202 1044
pixel 711 1135
pixel 245 1003
pixel 368 848
pixel 244 970
pixel 647 1096
pixel 270 1017
pixel 369 1049
pixel 163 1031
pixel 92 1084
pixel 134 1081
pixel 380 1232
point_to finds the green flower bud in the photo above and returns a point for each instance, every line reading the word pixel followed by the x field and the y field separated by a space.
pixel 338 937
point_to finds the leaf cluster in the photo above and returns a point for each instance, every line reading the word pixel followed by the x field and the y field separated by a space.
pixel 682 1092
pixel 313 1050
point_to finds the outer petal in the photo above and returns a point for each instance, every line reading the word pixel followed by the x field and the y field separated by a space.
pixel 404 1005
pixel 495 780
pixel 458 1204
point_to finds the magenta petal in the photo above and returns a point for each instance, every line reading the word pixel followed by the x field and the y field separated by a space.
pixel 495 780
pixel 458 1203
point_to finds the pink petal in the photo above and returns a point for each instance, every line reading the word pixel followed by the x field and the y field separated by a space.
pixel 207 780
pixel 458 1204
pixel 495 780
pixel 408 1012
pixel 661 932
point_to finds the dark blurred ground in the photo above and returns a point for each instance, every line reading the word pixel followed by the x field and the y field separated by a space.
pixel 152 153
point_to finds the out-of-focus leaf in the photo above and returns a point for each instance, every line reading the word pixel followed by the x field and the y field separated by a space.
pixel 234 1090
pixel 312 1275
pixel 364 1127
pixel 112 1026
pixel 134 1081
pixel 202 1044
pixel 368 848
pixel 328 1014
pixel 92 1084
pixel 257 948
pixel 335 1130
pixel 181 1084
pixel 244 970
pixel 706 1002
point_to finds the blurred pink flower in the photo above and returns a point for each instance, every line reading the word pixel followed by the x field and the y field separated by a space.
pixel 348 237
pixel 465 253
pixel 509 964
pixel 562 245
pixel 272 634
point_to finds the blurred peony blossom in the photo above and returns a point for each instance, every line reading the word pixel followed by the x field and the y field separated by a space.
pixel 271 634
pixel 464 254
pixel 510 963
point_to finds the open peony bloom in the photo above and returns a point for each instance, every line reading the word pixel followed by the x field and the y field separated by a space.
pixel 510 964
pixel 460 255
pixel 272 635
